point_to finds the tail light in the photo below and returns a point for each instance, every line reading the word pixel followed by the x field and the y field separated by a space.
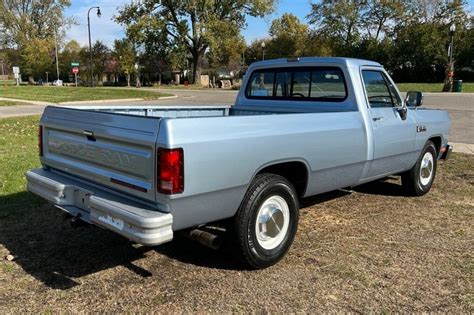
pixel 170 174
pixel 40 141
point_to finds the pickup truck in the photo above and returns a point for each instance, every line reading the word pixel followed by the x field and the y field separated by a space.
pixel 299 127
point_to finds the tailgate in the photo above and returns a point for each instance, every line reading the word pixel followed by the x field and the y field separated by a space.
pixel 114 150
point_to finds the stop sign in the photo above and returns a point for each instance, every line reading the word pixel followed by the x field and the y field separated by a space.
pixel 75 70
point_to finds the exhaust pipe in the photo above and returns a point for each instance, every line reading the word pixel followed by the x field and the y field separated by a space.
pixel 76 222
pixel 205 238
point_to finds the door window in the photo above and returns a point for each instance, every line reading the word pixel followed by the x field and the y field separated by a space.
pixel 380 92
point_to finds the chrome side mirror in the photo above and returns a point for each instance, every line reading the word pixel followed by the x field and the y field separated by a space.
pixel 414 98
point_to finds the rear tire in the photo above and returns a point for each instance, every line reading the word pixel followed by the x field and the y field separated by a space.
pixel 267 220
pixel 419 179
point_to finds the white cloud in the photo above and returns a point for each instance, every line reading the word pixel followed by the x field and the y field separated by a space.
pixel 104 28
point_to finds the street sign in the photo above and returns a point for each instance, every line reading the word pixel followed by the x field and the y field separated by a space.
pixel 75 70
pixel 16 70
pixel 74 64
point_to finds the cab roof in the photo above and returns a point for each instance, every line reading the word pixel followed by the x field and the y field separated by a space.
pixel 348 62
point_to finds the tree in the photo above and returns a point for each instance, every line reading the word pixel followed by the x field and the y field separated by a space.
pixel 338 20
pixel 29 28
pixel 100 58
pixel 380 17
pixel 227 53
pixel 25 20
pixel 38 54
pixel 71 53
pixel 195 24
pixel 289 37
pixel 125 53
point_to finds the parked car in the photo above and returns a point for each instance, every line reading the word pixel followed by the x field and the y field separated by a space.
pixel 299 127
pixel 58 83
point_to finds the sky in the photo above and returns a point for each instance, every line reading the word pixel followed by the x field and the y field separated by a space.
pixel 106 30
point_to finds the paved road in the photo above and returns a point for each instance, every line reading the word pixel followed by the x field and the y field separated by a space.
pixel 459 106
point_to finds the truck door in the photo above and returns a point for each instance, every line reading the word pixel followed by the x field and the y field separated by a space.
pixel 394 137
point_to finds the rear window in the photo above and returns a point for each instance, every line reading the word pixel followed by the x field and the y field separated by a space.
pixel 315 83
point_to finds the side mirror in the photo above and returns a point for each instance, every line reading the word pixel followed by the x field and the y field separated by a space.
pixel 414 98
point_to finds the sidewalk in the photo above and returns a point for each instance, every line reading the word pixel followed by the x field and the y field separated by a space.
pixel 462 147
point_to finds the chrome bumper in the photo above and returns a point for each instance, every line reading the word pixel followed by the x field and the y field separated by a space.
pixel 127 218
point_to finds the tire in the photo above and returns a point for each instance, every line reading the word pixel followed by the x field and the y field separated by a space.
pixel 272 200
pixel 419 179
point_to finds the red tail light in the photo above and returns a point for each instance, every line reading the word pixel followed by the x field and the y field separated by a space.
pixel 170 175
pixel 40 141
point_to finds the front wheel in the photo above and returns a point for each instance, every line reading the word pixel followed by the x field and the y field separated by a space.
pixel 419 179
pixel 267 221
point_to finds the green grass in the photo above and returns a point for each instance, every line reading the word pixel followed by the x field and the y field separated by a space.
pixel 467 87
pixel 19 155
pixel 67 94
pixel 10 103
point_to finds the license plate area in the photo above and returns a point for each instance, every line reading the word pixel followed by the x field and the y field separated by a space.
pixel 111 221
pixel 81 197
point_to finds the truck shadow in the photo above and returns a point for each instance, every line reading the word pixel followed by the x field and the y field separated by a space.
pixel 45 245
pixel 388 186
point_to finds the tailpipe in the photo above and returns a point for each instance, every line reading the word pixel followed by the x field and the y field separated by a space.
pixel 205 238
pixel 76 222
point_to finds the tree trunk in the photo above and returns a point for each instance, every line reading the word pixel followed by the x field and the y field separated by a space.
pixel 128 80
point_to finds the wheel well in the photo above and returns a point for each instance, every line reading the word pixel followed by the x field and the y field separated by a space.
pixel 437 142
pixel 295 172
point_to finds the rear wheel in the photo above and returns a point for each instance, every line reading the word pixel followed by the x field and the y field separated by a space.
pixel 267 220
pixel 419 179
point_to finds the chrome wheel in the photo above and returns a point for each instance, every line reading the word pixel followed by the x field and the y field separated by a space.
pixel 426 168
pixel 272 222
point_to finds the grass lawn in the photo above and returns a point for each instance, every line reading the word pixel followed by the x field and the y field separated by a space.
pixel 432 87
pixel 10 103
pixel 368 249
pixel 65 94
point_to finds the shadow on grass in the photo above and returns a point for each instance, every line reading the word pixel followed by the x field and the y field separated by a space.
pixel 385 187
pixel 45 245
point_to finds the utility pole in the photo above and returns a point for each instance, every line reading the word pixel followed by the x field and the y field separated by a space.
pixel 56 52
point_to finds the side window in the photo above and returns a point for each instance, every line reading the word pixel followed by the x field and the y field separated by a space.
pixel 379 92
pixel 328 83
pixel 261 84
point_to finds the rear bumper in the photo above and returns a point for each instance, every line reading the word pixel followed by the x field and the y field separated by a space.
pixel 446 152
pixel 127 218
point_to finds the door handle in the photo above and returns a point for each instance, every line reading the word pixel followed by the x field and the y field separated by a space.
pixel 377 118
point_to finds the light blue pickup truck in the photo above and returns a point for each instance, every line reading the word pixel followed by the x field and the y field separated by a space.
pixel 299 127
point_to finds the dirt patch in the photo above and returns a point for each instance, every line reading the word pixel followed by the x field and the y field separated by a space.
pixel 361 250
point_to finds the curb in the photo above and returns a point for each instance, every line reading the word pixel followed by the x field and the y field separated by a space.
pixel 462 147
pixel 27 101
pixel 466 94
pixel 101 101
